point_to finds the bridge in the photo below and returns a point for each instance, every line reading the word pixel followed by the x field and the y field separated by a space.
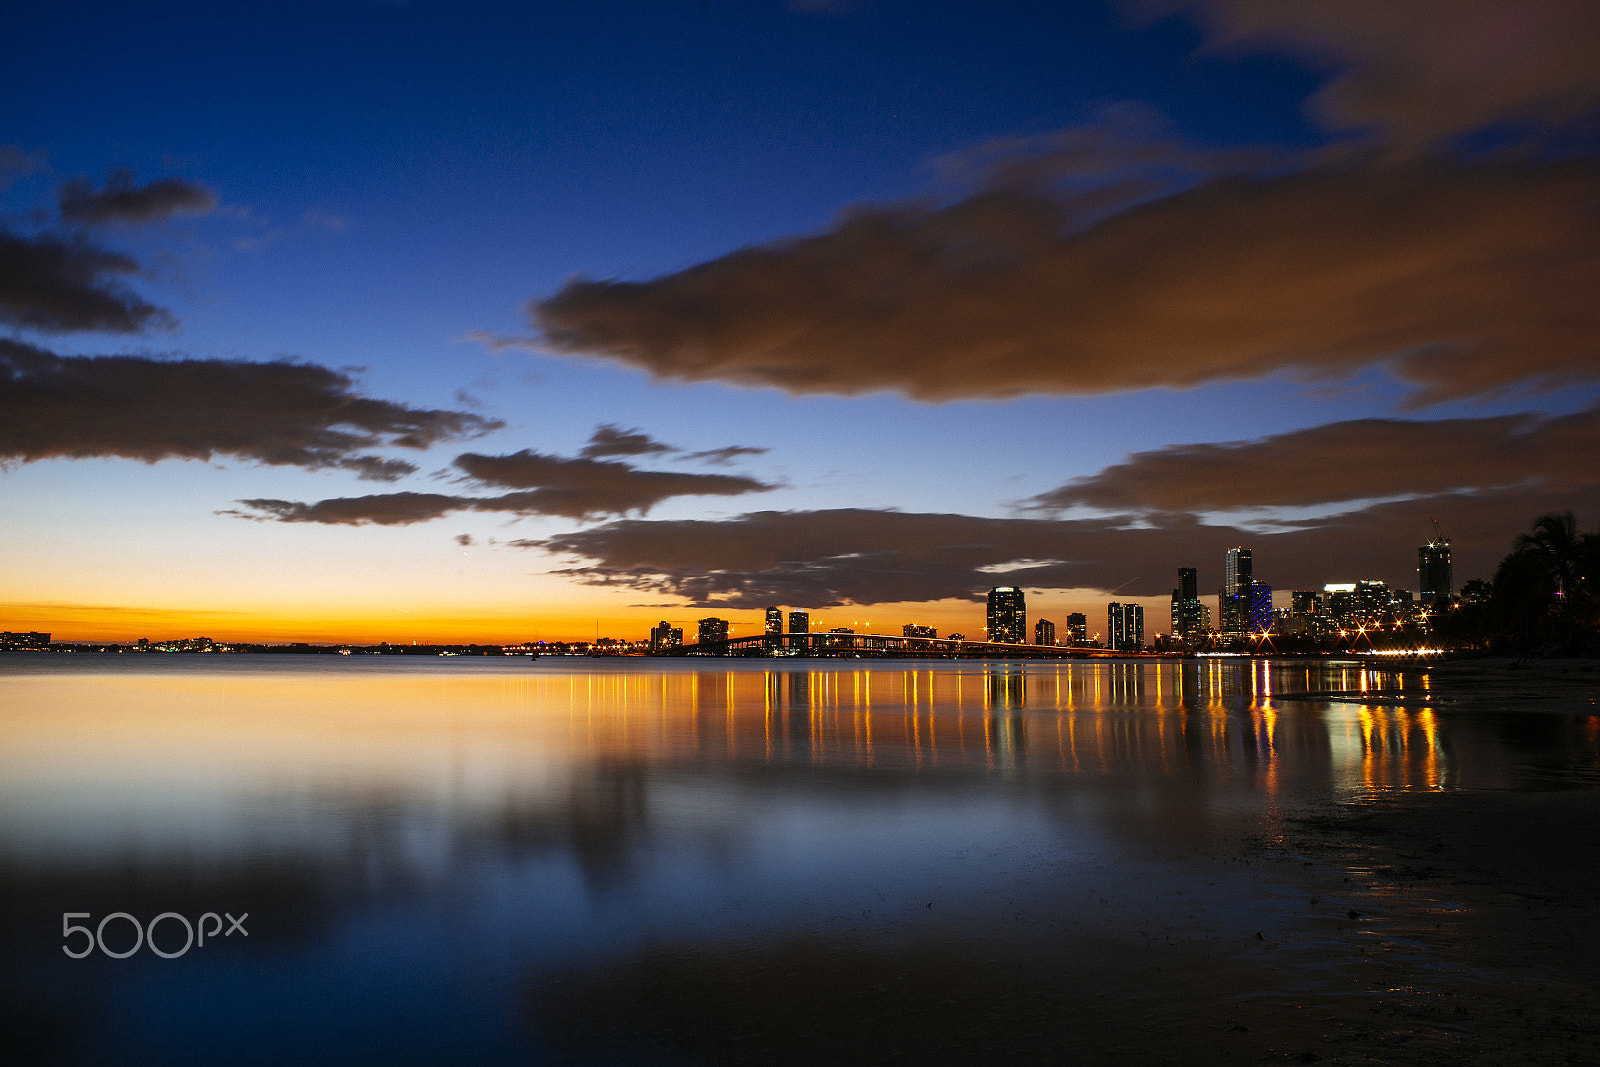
pixel 889 646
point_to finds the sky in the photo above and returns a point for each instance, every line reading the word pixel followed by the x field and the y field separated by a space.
pixel 366 320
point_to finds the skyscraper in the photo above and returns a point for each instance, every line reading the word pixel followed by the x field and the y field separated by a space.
pixel 713 631
pixel 1189 616
pixel 1044 632
pixel 1233 599
pixel 774 621
pixel 1125 627
pixel 1433 570
pixel 799 622
pixel 1008 615
pixel 1260 607
pixel 665 636
pixel 1236 570
pixel 1077 628
pixel 1339 602
pixel 1306 603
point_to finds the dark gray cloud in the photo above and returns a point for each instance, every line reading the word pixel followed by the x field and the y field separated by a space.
pixel 65 284
pixel 135 407
pixel 830 558
pixel 583 488
pixel 14 162
pixel 1462 280
pixel 121 201
pixel 1424 71
pixel 1362 459
pixel 545 485
pixel 379 509
pixel 609 439
pixel 727 454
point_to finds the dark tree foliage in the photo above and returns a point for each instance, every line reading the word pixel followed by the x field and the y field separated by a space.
pixel 1546 592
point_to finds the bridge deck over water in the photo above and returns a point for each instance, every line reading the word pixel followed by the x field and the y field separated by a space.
pixel 887 646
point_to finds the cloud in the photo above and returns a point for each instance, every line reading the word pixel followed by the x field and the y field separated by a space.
pixel 464 540
pixel 581 488
pixel 60 285
pixel 14 162
pixel 1362 459
pixel 727 454
pixel 121 201
pixel 545 485
pixel 497 344
pixel 1127 153
pixel 1425 71
pixel 381 509
pixel 1461 280
pixel 830 558
pixel 611 440
pixel 136 407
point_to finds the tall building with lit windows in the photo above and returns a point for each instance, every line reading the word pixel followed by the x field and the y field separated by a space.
pixel 713 631
pixel 774 621
pixel 665 636
pixel 1044 632
pixel 1125 627
pixel 799 622
pixel 1008 615
pixel 1261 617
pixel 1233 599
pixel 1433 570
pixel 1077 628
pixel 1190 618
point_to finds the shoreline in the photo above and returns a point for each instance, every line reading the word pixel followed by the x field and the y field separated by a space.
pixel 1474 914
pixel 1415 928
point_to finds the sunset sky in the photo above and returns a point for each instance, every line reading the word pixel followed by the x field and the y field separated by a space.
pixel 361 320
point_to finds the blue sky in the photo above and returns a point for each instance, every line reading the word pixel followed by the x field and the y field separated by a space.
pixel 389 181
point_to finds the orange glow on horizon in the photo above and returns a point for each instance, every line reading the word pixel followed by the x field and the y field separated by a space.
pixel 583 619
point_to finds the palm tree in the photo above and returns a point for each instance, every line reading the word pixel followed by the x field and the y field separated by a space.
pixel 1552 573
pixel 1554 549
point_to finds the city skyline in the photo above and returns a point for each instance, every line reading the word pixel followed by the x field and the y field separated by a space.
pixel 1331 608
pixel 392 322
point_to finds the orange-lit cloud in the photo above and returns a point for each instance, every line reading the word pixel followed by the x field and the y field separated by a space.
pixel 864 556
pixel 1426 70
pixel 1462 280
pixel 1361 459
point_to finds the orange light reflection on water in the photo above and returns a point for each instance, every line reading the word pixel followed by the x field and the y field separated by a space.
pixel 471 733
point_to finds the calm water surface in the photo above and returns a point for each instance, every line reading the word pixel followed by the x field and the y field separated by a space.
pixel 490 861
